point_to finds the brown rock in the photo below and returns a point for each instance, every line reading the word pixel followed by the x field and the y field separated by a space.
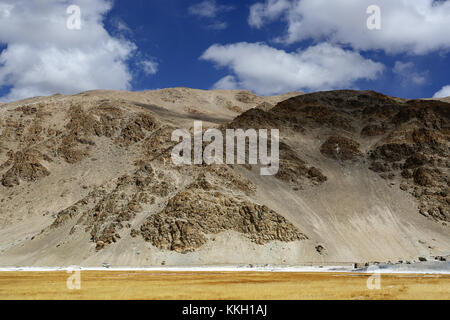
pixel 423 177
pixel 340 148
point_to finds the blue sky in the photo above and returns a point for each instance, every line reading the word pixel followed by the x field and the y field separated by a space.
pixel 177 39
pixel 267 46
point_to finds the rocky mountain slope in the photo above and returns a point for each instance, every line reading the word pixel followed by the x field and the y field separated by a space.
pixel 88 179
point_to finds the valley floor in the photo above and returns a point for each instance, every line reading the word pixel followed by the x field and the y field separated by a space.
pixel 187 285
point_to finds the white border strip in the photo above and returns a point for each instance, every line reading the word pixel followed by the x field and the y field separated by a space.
pixel 305 269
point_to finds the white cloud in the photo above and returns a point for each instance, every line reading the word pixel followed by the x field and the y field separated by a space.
pixel 443 93
pixel 261 12
pixel 266 70
pixel 121 26
pixel 208 9
pixel 149 66
pixel 407 73
pixel 44 57
pixel 227 83
pixel 418 26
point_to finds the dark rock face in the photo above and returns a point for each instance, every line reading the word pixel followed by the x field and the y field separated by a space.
pixel 415 161
pixel 393 152
pixel 295 170
pixel 320 249
pixel 373 130
pixel 423 177
pixel 415 153
pixel 340 148
pixel 409 139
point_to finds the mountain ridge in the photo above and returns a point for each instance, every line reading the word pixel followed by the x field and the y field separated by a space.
pixel 88 178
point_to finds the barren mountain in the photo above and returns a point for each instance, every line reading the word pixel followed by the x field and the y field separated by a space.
pixel 88 179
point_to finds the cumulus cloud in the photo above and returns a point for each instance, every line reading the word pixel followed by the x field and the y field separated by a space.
pixel 407 73
pixel 266 70
pixel 443 93
pixel 43 56
pixel 418 26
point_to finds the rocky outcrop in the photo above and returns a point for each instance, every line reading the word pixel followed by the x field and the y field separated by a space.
pixel 294 170
pixel 24 166
pixel 340 148
pixel 192 215
pixel 373 130
pixel 410 139
pixel 415 154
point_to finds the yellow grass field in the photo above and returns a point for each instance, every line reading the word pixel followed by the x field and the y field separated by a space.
pixel 219 285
